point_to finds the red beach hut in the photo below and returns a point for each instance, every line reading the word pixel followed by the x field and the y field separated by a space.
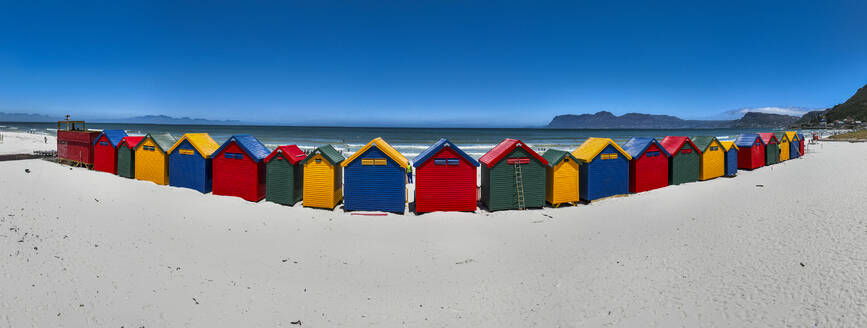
pixel 445 179
pixel 239 168
pixel 751 151
pixel 105 150
pixel 648 168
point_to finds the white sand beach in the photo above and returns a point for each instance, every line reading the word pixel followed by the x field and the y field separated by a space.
pixel 25 143
pixel 779 246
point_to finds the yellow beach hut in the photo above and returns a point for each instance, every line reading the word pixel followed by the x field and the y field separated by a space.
pixel 713 157
pixel 151 159
pixel 322 185
pixel 561 175
pixel 784 140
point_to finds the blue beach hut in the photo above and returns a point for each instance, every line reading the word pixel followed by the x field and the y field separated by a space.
pixel 731 152
pixel 190 162
pixel 604 170
pixel 374 179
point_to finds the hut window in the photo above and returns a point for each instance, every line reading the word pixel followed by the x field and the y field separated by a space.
pixel 440 161
pixel 234 156
pixel 186 152
pixel 453 161
pixel 521 160
pixel 714 148
pixel 103 143
pixel 380 161
pixel 446 161
pixel 148 148
pixel 686 151
pixel 366 161
pixel 652 153
pixel 318 160
pixel 608 156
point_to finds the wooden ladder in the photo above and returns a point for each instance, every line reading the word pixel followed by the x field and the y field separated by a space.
pixel 519 186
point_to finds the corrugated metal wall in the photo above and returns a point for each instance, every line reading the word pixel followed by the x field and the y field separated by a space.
pixel 374 187
pixel 604 177
pixel 151 165
pixel 562 182
pixel 189 170
pixel 125 162
pixel 498 183
pixel 684 167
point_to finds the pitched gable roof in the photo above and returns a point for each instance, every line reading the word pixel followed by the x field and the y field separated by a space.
pixel 767 137
pixel 703 142
pixel 672 144
pixel 249 144
pixel 636 147
pixel 436 147
pixel 328 152
pixel 747 140
pixel 593 146
pixel 505 147
pixel 383 146
pixel 290 152
pixel 202 142
pixel 782 136
pixel 793 136
pixel 554 156
pixel 727 145
pixel 114 136
pixel 130 141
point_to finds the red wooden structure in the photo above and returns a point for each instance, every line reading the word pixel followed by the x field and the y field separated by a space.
pixel 445 179
pixel 648 168
pixel 239 168
pixel 75 143
pixel 751 151
pixel 105 150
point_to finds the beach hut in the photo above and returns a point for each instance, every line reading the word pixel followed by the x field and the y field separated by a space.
pixel 772 149
pixel 284 182
pixel 731 158
pixel 684 165
pixel 239 168
pixel 105 150
pixel 794 144
pixel 152 158
pixel 323 178
pixel 713 157
pixel 513 177
pixel 801 144
pixel 375 179
pixel 190 162
pixel 126 156
pixel 445 179
pixel 75 143
pixel 784 145
pixel 648 168
pixel 604 169
pixel 751 151
pixel 561 177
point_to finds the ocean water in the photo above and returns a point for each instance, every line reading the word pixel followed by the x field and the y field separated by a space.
pixel 409 141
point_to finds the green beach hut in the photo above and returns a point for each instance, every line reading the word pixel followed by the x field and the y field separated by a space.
pixel 126 156
pixel 283 175
pixel 772 148
pixel 513 177
pixel 684 165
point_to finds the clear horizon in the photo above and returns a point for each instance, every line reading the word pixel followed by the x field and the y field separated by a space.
pixel 426 62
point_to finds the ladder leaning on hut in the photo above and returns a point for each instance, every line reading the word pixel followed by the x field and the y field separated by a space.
pixel 519 185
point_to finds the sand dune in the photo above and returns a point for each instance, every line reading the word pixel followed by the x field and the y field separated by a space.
pixel 780 246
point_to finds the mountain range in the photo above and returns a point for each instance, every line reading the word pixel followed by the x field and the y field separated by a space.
pixel 607 120
pixel 146 119
pixel 855 108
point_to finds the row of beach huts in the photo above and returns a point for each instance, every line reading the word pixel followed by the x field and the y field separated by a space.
pixel 375 177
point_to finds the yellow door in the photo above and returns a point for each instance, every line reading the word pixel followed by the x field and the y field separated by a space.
pixel 712 162
pixel 784 150
pixel 151 164
pixel 318 183
pixel 565 182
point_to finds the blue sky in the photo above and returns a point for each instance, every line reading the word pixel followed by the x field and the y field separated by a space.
pixel 448 62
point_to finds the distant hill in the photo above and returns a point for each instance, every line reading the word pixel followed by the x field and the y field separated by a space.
pixel 164 119
pixel 607 120
pixel 855 107
pixel 24 117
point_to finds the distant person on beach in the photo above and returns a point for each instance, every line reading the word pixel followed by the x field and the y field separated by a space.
pixel 46 140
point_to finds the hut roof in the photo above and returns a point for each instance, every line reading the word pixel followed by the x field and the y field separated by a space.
pixel 131 141
pixel 436 147
pixel 201 141
pixel 637 146
pixel 727 145
pixel 385 148
pixel 782 135
pixel 767 137
pixel 793 136
pixel 593 146
pixel 493 156
pixel 747 140
pixel 703 142
pixel 248 143
pixel 672 144
pixel 291 152
pixel 554 156
pixel 331 155
pixel 114 136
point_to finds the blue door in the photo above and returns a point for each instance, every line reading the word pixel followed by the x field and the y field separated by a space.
pixel 732 162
